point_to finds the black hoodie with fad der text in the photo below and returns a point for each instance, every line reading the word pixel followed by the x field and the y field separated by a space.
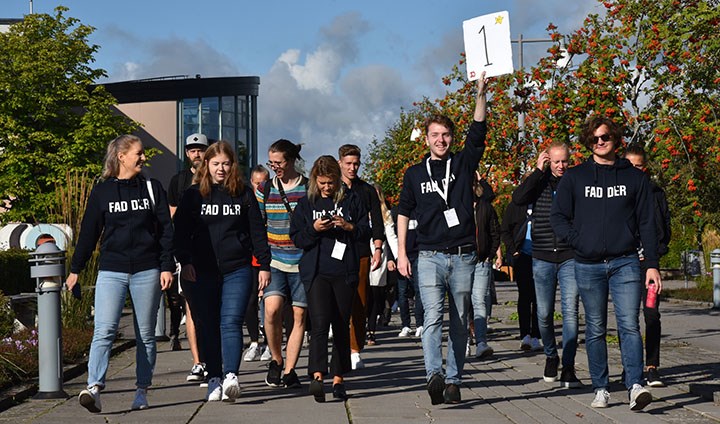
pixel 136 231
pixel 605 212
pixel 220 233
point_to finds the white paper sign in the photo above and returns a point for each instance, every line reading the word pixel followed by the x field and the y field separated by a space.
pixel 487 45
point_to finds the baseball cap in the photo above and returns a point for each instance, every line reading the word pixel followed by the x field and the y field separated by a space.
pixel 195 140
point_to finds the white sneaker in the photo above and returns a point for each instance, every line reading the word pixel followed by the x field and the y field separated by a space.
pixel 602 397
pixel 140 401
pixel 253 352
pixel 266 355
pixel 525 343
pixel 197 373
pixel 356 361
pixel 90 399
pixel 418 331
pixel 639 397
pixel 230 388
pixel 535 344
pixel 482 350
pixel 214 390
pixel 405 332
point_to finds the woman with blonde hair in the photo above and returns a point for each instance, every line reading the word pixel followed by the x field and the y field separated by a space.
pixel 218 230
pixel 129 214
pixel 326 224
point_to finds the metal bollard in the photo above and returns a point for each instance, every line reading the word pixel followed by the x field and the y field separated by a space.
pixel 715 263
pixel 160 325
pixel 47 267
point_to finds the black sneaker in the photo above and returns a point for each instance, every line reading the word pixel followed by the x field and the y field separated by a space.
pixel 550 374
pixel 290 380
pixel 339 391
pixel 317 391
pixel 653 378
pixel 568 379
pixel 273 375
pixel 452 394
pixel 435 387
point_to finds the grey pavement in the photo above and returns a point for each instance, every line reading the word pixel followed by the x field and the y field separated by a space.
pixel 508 388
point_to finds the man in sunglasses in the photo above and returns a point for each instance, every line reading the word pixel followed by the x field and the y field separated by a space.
pixel 604 209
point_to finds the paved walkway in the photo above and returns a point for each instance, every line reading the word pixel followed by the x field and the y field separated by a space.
pixel 506 389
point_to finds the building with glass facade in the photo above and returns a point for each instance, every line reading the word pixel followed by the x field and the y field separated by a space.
pixel 172 108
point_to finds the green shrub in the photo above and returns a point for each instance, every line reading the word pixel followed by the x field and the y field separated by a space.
pixel 7 317
pixel 15 272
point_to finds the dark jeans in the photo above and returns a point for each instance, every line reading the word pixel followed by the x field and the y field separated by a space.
pixel 404 304
pixel 330 300
pixel 527 303
pixel 652 328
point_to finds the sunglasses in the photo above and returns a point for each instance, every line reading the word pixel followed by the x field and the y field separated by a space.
pixel 603 137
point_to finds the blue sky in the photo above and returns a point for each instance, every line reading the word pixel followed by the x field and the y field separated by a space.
pixel 332 71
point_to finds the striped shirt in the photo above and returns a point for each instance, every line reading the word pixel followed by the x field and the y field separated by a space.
pixel 285 256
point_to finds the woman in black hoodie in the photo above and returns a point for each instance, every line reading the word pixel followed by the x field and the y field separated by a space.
pixel 218 228
pixel 326 224
pixel 132 216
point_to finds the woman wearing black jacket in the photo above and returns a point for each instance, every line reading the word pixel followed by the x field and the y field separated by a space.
pixel 132 216
pixel 218 229
pixel 326 224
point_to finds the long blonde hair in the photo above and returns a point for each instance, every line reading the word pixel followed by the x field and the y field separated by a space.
pixel 387 216
pixel 325 166
pixel 233 183
pixel 121 144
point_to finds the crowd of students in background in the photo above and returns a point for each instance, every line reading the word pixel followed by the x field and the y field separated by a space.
pixel 320 260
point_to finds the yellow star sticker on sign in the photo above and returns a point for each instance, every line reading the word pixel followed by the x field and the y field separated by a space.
pixel 498 20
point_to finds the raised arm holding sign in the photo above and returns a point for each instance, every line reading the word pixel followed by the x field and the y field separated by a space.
pixel 487 45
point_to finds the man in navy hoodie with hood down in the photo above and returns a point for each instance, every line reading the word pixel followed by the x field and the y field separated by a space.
pixel 600 209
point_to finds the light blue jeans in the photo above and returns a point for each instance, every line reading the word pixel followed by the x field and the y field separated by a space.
pixel 110 291
pixel 440 274
pixel 621 278
pixel 547 275
pixel 481 299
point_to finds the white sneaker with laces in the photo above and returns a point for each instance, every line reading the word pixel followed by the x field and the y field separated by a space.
pixel 230 388
pixel 356 361
pixel 483 351
pixel 405 332
pixel 525 343
pixel 140 401
pixel 215 390
pixel 197 373
pixel 639 397
pixel 602 397
pixel 253 352
pixel 535 344
pixel 418 331
pixel 90 399
pixel 266 355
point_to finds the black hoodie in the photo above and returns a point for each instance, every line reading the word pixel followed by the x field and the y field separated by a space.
pixel 220 233
pixel 601 209
pixel 135 235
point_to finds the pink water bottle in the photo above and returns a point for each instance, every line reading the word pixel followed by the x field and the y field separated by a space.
pixel 651 298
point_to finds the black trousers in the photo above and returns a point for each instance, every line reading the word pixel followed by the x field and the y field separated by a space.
pixel 652 328
pixel 527 302
pixel 330 301
pixel 376 305
pixel 176 304
pixel 252 321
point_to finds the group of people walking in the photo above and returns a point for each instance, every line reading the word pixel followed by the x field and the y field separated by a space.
pixel 315 249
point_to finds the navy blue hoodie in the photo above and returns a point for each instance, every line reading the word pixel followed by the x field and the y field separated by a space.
pixel 601 209
pixel 417 195
pixel 220 233
pixel 135 236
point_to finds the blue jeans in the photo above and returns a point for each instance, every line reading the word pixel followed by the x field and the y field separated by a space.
pixel 546 276
pixel 404 304
pixel 110 291
pixel 621 278
pixel 481 300
pixel 440 274
pixel 287 285
pixel 218 306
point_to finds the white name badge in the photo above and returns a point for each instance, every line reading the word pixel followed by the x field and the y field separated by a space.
pixel 451 218
pixel 338 250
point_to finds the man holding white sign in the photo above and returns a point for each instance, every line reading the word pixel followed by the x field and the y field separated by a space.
pixel 439 191
pixel 487 45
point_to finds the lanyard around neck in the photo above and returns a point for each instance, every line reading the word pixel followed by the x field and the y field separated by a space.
pixel 446 189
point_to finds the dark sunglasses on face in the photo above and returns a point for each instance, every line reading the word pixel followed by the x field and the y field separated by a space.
pixel 603 137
